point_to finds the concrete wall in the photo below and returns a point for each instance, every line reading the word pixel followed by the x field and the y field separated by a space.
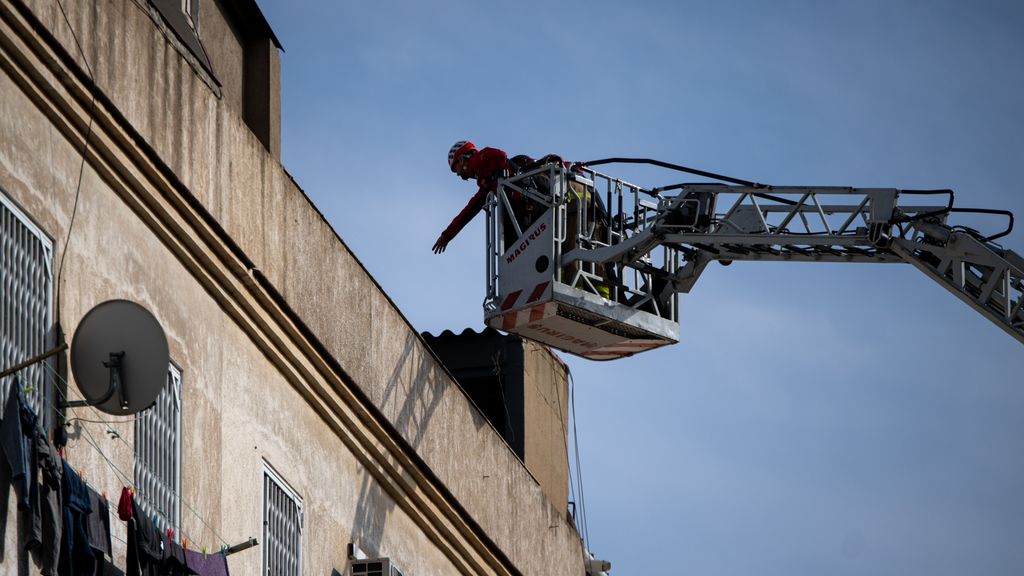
pixel 226 50
pixel 546 418
pixel 185 211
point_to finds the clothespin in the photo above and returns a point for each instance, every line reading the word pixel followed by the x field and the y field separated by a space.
pixel 184 543
pixel 223 550
pixel 104 494
pixel 204 552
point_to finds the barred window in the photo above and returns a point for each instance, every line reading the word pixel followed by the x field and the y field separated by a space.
pixel 26 302
pixel 158 456
pixel 374 567
pixel 282 527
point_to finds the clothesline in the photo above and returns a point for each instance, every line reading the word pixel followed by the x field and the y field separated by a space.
pixel 34 451
pixel 124 478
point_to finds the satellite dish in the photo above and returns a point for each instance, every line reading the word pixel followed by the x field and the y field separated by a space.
pixel 119 358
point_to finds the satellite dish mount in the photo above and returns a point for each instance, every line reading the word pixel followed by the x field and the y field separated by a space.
pixel 114 365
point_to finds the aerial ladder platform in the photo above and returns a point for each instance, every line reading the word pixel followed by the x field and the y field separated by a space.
pixel 593 265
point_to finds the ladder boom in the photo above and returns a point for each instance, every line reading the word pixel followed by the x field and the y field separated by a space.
pixel 620 254
pixel 987 279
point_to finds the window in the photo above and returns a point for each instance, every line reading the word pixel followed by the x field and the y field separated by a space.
pixel 282 527
pixel 182 18
pixel 158 456
pixel 190 8
pixel 374 567
pixel 26 302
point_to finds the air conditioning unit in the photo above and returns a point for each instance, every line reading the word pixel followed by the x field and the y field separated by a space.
pixel 374 567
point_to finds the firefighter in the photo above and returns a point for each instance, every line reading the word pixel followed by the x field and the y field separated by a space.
pixel 485 166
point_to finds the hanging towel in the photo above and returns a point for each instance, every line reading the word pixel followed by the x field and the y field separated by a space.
pixel 76 556
pixel 214 563
pixel 145 547
pixel 97 528
pixel 174 563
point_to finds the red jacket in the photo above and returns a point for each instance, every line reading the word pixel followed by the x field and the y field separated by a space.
pixel 486 166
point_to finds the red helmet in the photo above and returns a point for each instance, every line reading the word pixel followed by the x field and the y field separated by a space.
pixel 458 149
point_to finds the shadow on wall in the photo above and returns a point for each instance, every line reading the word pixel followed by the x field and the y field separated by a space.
pixel 416 404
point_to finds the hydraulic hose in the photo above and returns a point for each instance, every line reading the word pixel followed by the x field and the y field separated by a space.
pixel 694 171
pixel 677 167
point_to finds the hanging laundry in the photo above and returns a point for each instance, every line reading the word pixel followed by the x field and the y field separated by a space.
pixel 124 505
pixel 213 564
pixel 97 527
pixel 145 546
pixel 50 509
pixel 16 438
pixel 174 563
pixel 76 556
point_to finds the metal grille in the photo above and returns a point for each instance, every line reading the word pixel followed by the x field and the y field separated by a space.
pixel 26 301
pixel 158 456
pixel 282 527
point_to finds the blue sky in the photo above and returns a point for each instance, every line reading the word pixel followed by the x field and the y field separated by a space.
pixel 829 419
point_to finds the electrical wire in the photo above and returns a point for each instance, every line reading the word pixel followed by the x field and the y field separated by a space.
pixel 124 478
pixel 579 471
pixel 496 360
pixel 568 461
pixel 81 166
pixel 76 419
pixel 60 277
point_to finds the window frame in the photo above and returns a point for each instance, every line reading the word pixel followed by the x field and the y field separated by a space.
pixel 270 476
pixel 190 8
pixel 148 443
pixel 39 376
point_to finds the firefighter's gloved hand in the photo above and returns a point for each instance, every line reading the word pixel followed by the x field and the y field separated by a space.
pixel 442 243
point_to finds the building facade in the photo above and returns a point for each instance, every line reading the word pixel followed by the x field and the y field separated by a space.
pixel 140 160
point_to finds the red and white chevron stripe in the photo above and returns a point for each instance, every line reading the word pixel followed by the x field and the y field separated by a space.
pixel 513 297
pixel 526 316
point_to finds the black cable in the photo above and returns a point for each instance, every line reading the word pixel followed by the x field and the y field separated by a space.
pixel 1007 213
pixel 677 167
pixel 579 472
pixel 76 419
pixel 923 215
pixel 694 171
pixel 496 359
pixel 81 167
pixel 565 443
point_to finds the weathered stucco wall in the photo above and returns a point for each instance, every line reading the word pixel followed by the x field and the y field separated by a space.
pixel 238 394
pixel 546 417
pixel 225 49
pixel 238 410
